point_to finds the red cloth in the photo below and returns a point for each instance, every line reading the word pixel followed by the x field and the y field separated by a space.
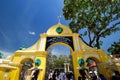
pixel 93 64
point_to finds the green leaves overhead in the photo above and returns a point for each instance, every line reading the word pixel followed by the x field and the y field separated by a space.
pixel 115 48
pixel 95 15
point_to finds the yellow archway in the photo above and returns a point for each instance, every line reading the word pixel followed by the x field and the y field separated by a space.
pixel 57 34
pixel 66 65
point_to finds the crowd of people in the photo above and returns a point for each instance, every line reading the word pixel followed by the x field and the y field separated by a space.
pixel 91 75
pixel 85 75
pixel 94 75
pixel 60 75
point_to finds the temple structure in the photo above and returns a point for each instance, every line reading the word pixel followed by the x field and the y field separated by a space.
pixel 23 62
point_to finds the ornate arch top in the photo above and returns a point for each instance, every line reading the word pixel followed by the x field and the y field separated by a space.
pixel 59 29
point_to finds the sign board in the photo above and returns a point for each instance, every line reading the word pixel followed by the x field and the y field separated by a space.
pixel 64 39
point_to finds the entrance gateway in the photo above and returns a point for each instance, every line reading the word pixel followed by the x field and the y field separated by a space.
pixel 25 61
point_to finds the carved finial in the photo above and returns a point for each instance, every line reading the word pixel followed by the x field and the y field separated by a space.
pixel 59 19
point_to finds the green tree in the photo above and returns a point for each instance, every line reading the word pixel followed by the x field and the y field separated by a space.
pixel 58 61
pixel 114 48
pixel 97 18
pixel 52 61
pixel 1 55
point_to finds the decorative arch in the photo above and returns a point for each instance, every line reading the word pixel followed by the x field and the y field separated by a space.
pixel 61 34
pixel 61 44
pixel 58 34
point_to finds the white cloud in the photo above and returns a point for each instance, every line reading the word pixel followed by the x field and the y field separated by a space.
pixel 31 33
pixel 6 54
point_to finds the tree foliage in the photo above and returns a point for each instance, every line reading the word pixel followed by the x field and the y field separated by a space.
pixel 94 16
pixel 115 48
pixel 58 61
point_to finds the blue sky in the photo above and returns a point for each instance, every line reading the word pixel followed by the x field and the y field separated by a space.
pixel 21 22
